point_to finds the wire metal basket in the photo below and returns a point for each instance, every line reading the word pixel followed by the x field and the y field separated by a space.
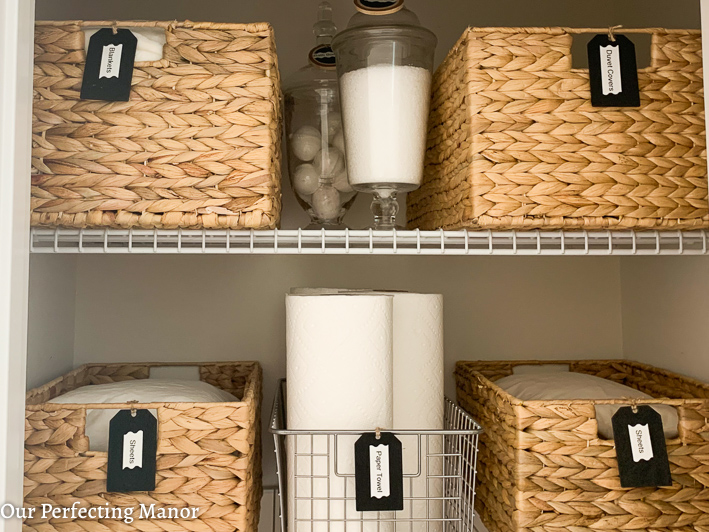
pixel 316 478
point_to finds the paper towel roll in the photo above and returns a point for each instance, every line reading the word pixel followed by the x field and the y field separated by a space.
pixel 339 377
pixel 419 404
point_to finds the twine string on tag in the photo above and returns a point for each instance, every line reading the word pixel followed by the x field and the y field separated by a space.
pixel 611 31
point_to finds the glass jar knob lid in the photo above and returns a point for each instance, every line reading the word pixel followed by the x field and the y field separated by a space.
pixel 379 7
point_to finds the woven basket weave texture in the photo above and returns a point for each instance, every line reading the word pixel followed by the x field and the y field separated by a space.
pixel 514 142
pixel 209 454
pixel 196 146
pixel 542 467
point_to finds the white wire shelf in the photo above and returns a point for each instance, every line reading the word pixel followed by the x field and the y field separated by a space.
pixel 368 242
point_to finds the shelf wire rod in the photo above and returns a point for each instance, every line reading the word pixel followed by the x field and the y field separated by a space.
pixel 704 242
pixel 418 240
pixel 443 242
pixel 563 243
pixel 56 241
pixel 635 244
pixel 393 243
pixel 251 241
pixel 681 242
pixel 610 242
pixel 275 241
pixel 300 240
pixel 179 240
pixel 514 242
pixel 227 245
pixel 130 240
pixel 81 240
pixel 467 246
pixel 489 242
pixel 539 241
pixel 347 240
pixel 322 240
pixel 155 240
pixel 657 243
pixel 204 240
pixel 371 241
pixel 105 240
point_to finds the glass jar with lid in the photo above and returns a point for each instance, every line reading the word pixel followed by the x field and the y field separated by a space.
pixel 384 65
pixel 315 142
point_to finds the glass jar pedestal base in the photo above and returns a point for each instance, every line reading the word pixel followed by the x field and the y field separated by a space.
pixel 385 206
pixel 317 226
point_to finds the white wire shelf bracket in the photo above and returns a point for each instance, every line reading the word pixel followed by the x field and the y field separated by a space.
pixel 368 242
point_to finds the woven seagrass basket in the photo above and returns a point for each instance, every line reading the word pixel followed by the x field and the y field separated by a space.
pixel 196 146
pixel 514 142
pixel 208 454
pixel 541 465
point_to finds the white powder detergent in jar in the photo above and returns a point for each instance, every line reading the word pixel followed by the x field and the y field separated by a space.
pixel 385 65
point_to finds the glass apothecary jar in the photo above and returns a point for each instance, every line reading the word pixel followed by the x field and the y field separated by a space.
pixel 384 66
pixel 315 140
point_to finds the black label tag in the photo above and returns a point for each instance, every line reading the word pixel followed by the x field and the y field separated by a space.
pixel 109 65
pixel 132 451
pixel 323 56
pixel 379 7
pixel 613 72
pixel 379 478
pixel 640 448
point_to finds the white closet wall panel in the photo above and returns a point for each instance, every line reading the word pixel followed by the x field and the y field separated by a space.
pixel 665 304
pixel 185 308
pixel 15 132
pixel 50 333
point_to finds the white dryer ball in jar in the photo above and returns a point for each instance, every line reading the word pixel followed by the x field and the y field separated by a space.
pixel 329 162
pixel 305 143
pixel 306 180
pixel 341 183
pixel 326 203
pixel 334 124
pixel 339 141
